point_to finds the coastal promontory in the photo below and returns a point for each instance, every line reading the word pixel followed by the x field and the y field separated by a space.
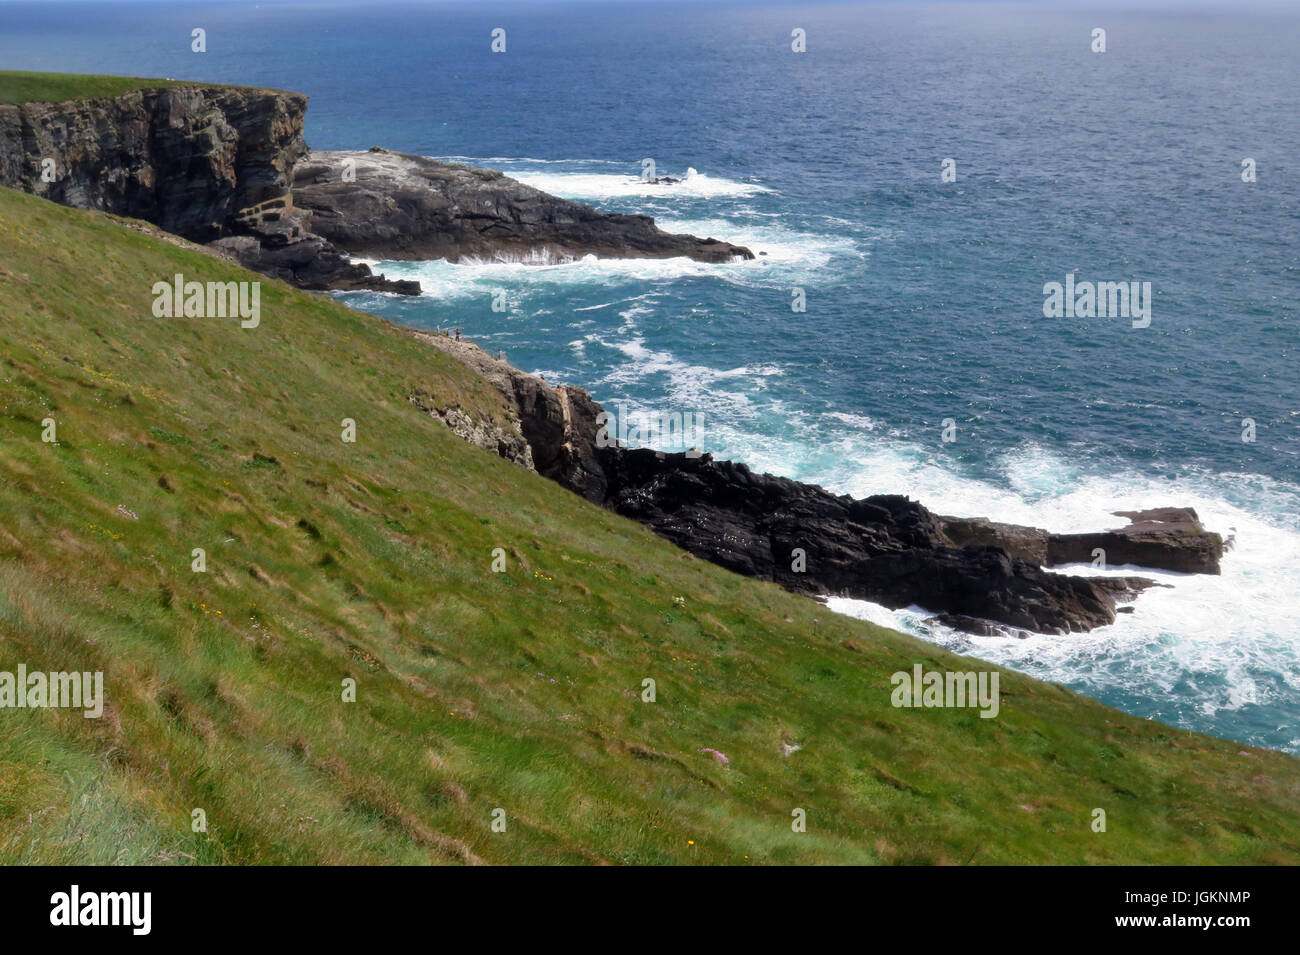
pixel 229 167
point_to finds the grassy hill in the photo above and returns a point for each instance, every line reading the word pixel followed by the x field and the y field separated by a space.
pixel 475 690
pixel 22 86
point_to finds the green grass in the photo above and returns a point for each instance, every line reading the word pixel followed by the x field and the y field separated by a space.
pixel 476 690
pixel 21 86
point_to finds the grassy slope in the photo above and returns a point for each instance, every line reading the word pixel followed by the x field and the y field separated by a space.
pixel 20 86
pixel 476 690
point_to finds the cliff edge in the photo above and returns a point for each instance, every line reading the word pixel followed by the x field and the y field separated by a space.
pixel 975 576
pixel 228 166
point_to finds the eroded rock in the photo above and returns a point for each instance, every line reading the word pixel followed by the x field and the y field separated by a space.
pixel 394 205
pixel 1164 538
pixel 885 548
pixel 228 167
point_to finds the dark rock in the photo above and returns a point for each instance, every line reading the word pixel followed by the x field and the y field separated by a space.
pixel 980 628
pixel 1027 543
pixel 1125 588
pixel 549 419
pixel 400 206
pixel 227 166
pixel 282 248
pixel 885 548
pixel 1166 538
pixel 186 158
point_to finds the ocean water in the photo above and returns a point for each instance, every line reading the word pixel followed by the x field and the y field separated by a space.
pixel 924 298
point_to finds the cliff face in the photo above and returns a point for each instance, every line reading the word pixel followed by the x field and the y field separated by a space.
pixel 229 167
pixel 188 159
pixel 211 164
pixel 1164 538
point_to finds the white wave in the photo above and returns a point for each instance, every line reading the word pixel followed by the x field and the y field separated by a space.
pixel 717 398
pixel 853 420
pixel 480 160
pixel 1222 642
pixel 788 257
pixel 1225 641
pixel 603 185
pixel 782 256
pixel 776 246
pixel 440 279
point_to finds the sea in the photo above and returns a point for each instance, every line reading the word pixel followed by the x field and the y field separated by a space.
pixel 911 177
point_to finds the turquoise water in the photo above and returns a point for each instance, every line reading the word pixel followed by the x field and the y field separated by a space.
pixel 924 297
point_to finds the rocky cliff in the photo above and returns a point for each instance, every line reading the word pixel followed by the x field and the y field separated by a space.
pixel 210 163
pixel 228 166
pixel 975 575
pixel 186 158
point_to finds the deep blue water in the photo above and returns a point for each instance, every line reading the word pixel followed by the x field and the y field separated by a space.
pixel 924 298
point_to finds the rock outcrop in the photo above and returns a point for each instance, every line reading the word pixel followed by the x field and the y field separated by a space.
pixel 276 240
pixel 393 205
pixel 884 548
pixel 212 164
pixel 1165 538
pixel 555 424
pixel 978 576
pixel 228 166
pixel 186 158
